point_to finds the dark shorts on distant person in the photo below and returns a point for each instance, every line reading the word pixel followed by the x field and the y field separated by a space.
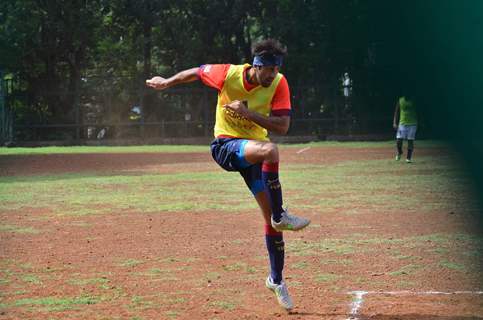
pixel 406 132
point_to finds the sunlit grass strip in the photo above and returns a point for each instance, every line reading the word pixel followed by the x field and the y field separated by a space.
pixel 106 149
pixel 199 148
pixel 367 144
pixel 349 246
pixel 67 195
pixel 58 303
pixel 18 229
pixel 377 185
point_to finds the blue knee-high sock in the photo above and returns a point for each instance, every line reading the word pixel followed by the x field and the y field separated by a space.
pixel 276 253
pixel 270 178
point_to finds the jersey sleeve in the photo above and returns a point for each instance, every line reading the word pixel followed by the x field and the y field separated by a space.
pixel 281 99
pixel 213 75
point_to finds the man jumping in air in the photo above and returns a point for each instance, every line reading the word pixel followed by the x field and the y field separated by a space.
pixel 252 100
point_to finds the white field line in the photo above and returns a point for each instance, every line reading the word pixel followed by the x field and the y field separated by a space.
pixel 356 304
pixel 303 150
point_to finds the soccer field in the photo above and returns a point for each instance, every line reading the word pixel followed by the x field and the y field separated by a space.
pixel 164 233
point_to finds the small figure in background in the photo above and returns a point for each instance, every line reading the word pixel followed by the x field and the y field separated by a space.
pixel 406 123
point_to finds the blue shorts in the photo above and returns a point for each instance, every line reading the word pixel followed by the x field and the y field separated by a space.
pixel 229 153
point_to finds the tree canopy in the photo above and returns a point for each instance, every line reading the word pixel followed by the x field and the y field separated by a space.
pixel 63 52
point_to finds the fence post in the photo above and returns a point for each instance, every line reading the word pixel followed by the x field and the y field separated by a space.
pixel 2 109
pixel 6 116
pixel 336 111
pixel 163 129
pixel 78 120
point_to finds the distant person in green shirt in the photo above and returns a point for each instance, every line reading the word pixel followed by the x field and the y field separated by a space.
pixel 406 123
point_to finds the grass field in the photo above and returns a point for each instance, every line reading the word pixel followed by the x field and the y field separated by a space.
pixel 163 233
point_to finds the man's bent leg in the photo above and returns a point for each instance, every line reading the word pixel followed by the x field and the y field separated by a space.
pixel 273 239
pixel 267 154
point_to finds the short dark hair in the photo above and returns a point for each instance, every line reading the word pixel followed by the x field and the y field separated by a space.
pixel 269 47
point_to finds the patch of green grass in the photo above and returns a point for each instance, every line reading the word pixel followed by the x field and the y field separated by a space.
pixel 20 292
pixel 300 265
pixel 240 241
pixel 157 274
pixel 363 144
pixel 31 278
pixel 346 183
pixel 319 187
pixel 309 248
pixel 77 195
pixel 326 277
pixel 406 270
pixel 155 271
pixel 89 281
pixel 141 303
pixel 406 257
pixel 175 300
pixel 345 262
pixel 192 148
pixel 130 263
pixel 211 276
pixel 240 266
pixel 104 149
pixel 452 265
pixel 58 303
pixel 361 280
pixel 26 266
pixel 225 305
pixel 441 251
pixel 18 229
pixel 172 314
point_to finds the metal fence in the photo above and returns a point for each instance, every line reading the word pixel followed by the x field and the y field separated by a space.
pixel 129 111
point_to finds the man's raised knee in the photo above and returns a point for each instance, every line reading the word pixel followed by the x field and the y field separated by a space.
pixel 271 152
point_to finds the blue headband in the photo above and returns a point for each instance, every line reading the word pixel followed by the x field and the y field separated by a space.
pixel 267 60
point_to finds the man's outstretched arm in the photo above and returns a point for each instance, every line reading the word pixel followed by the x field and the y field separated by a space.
pixel 160 83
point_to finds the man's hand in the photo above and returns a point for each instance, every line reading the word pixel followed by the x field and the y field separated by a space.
pixel 238 107
pixel 394 125
pixel 158 83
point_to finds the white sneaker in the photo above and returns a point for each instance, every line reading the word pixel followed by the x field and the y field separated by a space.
pixel 290 222
pixel 281 293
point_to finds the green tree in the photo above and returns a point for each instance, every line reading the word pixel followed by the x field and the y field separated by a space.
pixel 48 45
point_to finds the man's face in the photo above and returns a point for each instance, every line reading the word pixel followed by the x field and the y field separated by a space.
pixel 266 75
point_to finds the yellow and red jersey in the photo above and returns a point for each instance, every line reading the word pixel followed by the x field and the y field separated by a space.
pixel 231 83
